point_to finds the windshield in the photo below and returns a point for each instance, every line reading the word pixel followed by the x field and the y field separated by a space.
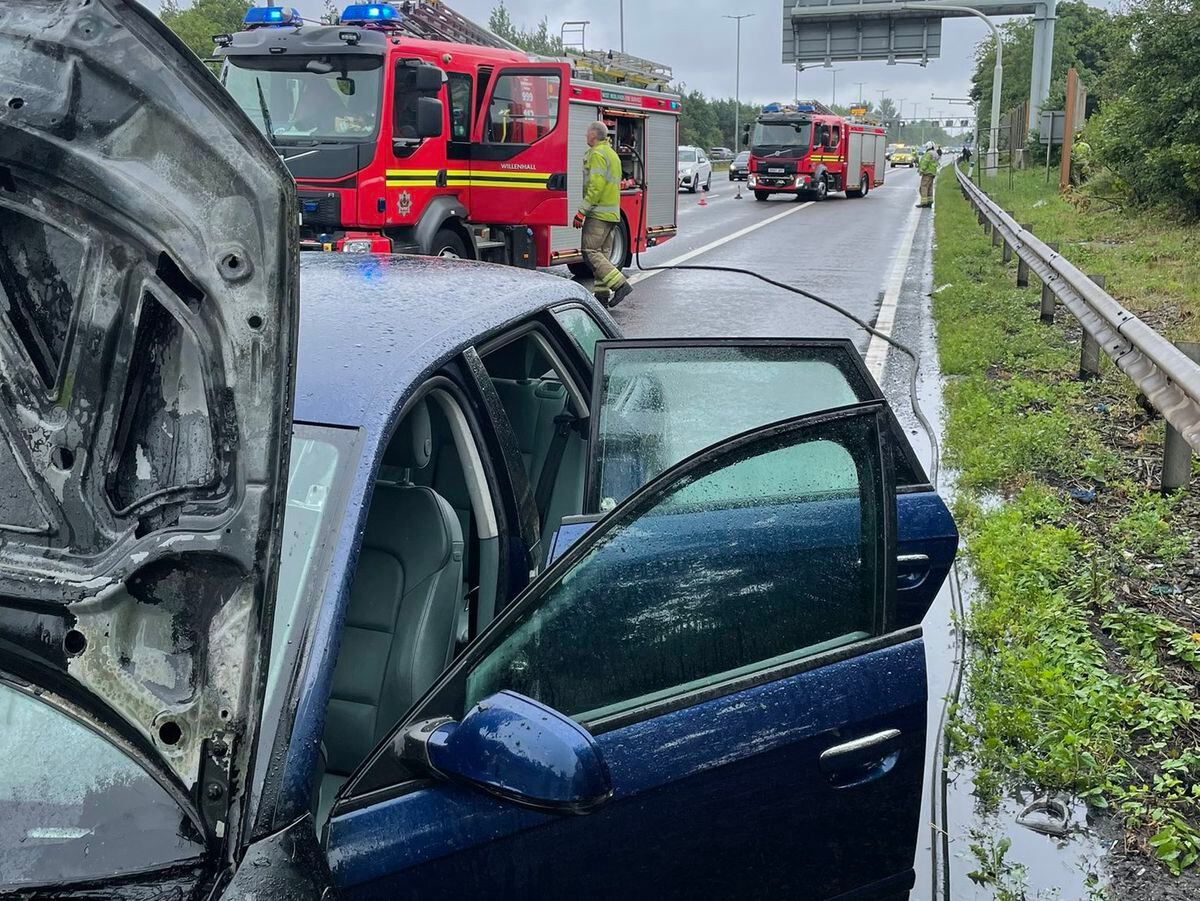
pixel 687 156
pixel 782 134
pixel 74 806
pixel 743 157
pixel 299 100
pixel 323 459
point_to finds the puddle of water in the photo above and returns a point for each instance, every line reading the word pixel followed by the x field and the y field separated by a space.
pixel 1034 866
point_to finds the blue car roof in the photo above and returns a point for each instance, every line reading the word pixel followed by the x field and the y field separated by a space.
pixel 373 326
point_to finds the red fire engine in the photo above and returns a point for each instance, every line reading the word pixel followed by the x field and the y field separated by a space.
pixel 468 147
pixel 808 150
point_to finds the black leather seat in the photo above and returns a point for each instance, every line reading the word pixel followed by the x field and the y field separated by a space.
pixel 401 620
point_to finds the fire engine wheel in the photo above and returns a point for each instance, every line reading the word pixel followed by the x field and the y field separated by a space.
pixel 447 243
pixel 864 185
pixel 822 189
pixel 761 195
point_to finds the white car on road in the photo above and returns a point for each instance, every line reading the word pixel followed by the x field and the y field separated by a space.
pixel 695 170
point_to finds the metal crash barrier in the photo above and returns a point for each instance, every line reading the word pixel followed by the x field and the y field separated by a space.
pixel 1167 375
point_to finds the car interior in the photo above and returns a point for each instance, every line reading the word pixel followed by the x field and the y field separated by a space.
pixel 428 563
pixel 549 420
pixel 427 577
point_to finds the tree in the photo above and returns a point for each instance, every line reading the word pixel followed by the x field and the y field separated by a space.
pixel 197 24
pixel 538 40
pixel 1147 132
pixel 331 15
pixel 887 108
pixel 1088 38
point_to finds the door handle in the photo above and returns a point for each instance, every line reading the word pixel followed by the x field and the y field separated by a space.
pixel 912 570
pixel 862 759
pixel 557 182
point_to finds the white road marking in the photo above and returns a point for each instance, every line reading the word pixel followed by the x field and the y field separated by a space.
pixel 713 245
pixel 877 350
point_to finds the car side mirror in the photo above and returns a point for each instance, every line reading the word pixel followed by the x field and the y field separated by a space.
pixel 429 117
pixel 512 747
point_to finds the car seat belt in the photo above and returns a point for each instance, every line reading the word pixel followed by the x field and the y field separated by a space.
pixel 563 423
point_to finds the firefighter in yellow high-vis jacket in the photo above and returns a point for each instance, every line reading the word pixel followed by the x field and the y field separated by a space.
pixel 601 212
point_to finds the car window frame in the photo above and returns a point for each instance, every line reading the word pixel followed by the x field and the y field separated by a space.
pixel 452 683
pixel 567 354
pixel 857 371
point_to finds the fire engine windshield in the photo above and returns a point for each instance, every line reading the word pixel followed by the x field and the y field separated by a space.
pixel 309 100
pixel 779 135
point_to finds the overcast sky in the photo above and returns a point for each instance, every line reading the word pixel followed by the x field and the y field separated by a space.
pixel 694 39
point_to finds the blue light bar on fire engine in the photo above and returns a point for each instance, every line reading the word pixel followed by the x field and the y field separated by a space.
pixel 370 14
pixel 271 15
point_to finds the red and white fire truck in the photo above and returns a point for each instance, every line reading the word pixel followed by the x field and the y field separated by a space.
pixel 808 150
pixel 468 147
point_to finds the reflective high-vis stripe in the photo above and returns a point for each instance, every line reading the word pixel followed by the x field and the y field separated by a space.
pixel 602 183
pixel 458 178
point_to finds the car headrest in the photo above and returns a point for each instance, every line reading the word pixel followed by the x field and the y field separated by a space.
pixel 520 359
pixel 412 444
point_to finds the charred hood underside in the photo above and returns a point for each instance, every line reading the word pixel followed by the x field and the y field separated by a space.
pixel 147 296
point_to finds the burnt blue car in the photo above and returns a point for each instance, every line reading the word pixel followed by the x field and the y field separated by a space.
pixel 375 577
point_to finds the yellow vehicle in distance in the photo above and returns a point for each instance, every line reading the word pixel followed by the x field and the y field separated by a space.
pixel 903 155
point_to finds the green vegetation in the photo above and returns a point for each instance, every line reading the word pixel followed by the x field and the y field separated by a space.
pixel 1148 259
pixel 1083 675
pixel 196 24
pixel 1141 67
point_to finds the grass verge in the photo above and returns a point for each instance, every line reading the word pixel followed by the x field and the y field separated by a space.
pixel 1148 259
pixel 1085 633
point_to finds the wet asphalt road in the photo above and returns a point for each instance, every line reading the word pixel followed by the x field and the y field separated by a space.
pixel 841 249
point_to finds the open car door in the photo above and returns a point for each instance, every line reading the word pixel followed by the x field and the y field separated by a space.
pixel 519 152
pixel 148 288
pixel 727 634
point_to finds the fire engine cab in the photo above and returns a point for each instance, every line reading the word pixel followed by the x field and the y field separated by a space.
pixel 808 150
pixel 403 141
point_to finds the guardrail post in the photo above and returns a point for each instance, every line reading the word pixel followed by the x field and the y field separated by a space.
pixel 996 239
pixel 1089 350
pixel 1048 299
pixel 1177 456
pixel 1022 266
pixel 1008 252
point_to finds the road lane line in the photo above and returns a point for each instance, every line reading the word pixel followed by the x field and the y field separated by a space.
pixel 713 245
pixel 877 350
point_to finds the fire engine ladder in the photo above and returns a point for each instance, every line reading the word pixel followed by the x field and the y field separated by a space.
pixel 620 68
pixel 432 20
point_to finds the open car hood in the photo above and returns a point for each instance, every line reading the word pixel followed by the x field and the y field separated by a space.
pixel 148 284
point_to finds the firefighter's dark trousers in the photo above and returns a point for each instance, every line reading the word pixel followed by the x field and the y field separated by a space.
pixel 597 236
pixel 926 190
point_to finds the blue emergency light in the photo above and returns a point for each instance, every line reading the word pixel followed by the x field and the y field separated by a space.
pixel 370 14
pixel 258 16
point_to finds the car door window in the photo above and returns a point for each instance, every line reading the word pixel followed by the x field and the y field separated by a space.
pixel 656 402
pixel 768 550
pixel 582 328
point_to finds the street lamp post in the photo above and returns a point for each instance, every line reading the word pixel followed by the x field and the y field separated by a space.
pixel 833 91
pixel 861 97
pixel 621 7
pixel 737 89
pixel 997 73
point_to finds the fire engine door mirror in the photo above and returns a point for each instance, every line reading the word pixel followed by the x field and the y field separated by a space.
pixel 746 135
pixel 429 117
pixel 428 79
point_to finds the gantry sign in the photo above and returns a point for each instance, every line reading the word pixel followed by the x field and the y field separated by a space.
pixel 824 32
